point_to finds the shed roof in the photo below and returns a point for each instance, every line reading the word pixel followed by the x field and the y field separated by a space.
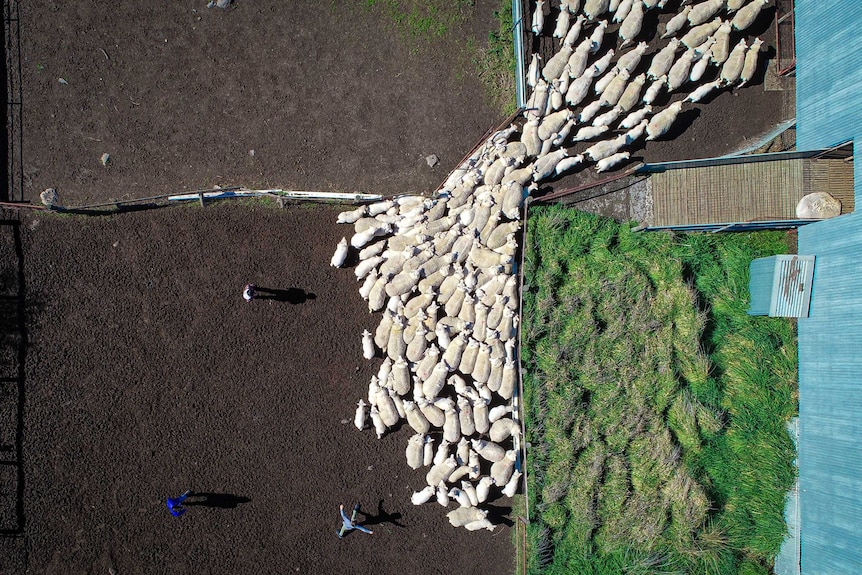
pixel 830 400
pixel 829 75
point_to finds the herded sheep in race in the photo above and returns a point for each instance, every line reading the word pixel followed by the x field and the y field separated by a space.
pixel 367 345
pixel 676 23
pixel 351 216
pixel 608 117
pixel 721 46
pixel 463 515
pixel 603 149
pixel 442 494
pixel 483 488
pixel 567 164
pixel 661 122
pixel 562 25
pixel 678 73
pixel 379 426
pixel 488 450
pixel 440 473
pixel 632 93
pixel 623 9
pixel 699 67
pixel 428 451
pixel 630 60
pixel 502 470
pixel 611 94
pixel 340 254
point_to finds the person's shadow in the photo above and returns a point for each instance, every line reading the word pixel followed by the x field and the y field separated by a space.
pixel 219 500
pixel 290 295
pixel 380 517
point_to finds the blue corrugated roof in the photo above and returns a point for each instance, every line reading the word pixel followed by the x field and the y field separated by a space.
pixel 830 400
pixel 829 76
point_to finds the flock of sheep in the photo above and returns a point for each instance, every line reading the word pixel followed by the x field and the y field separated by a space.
pixel 441 270
pixel 577 83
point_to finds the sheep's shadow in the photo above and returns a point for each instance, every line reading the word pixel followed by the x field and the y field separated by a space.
pixel 290 295
pixel 380 517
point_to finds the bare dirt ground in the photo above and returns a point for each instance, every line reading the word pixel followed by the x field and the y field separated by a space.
pixel 145 373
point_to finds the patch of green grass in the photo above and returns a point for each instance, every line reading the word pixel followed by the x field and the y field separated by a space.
pixel 656 407
pixel 495 63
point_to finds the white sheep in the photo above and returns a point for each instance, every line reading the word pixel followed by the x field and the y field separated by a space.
pixel 423 496
pixel 415 418
pixel 414 451
pixel 661 122
pixel 533 71
pixel 703 11
pixel 612 92
pixel 598 36
pixel 512 485
pixel 555 65
pixel 463 515
pixel 379 426
pixel 351 216
pixel 721 46
pixel 608 117
pixel 488 450
pixel 653 91
pixel 480 524
pixel 595 8
pixel 340 254
pixel 360 415
pixel 442 494
pixel 502 469
pixel 732 68
pixel 697 35
pixel 634 118
pixel 611 161
pixel 701 92
pixel 578 60
pixel 589 111
pixel 678 73
pixel 538 18
pixel 676 23
pixel 451 426
pixel 746 15
pixel 470 490
pixel 625 6
pixel 484 487
pixel 440 472
pixel 428 451
pixel 631 26
pixel 630 60
pixel 750 65
pixel 507 383
pixel 662 60
pixel 574 31
pixel 596 152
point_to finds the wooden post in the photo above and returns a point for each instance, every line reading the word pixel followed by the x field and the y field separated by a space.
pixel 201 197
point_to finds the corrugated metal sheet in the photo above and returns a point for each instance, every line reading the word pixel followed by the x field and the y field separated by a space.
pixel 830 400
pixel 829 75
pixel 780 286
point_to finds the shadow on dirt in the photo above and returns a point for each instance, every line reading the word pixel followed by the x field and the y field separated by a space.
pixel 217 500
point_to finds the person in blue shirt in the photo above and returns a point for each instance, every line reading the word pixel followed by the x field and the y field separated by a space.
pixel 350 524
pixel 175 504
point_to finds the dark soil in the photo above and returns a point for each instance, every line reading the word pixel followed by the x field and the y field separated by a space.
pixel 147 374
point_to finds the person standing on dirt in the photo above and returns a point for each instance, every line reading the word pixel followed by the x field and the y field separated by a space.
pixel 175 504
pixel 350 524
pixel 248 292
